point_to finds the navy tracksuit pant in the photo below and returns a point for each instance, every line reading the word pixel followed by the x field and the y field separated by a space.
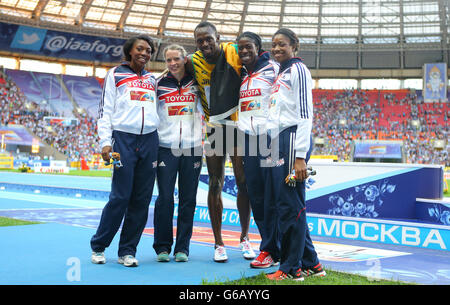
pixel 131 192
pixel 297 250
pixel 258 181
pixel 187 163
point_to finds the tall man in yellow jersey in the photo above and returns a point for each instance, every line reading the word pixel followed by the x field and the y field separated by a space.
pixel 216 67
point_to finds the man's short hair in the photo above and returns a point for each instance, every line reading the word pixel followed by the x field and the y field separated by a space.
pixel 204 24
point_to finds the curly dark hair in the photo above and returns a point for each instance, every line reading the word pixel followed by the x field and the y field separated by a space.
pixel 128 45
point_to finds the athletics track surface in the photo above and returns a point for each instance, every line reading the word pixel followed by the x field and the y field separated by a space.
pixel 57 251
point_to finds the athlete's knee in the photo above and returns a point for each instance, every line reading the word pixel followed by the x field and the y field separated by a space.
pixel 241 184
pixel 215 184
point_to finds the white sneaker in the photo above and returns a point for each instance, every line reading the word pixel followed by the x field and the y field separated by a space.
pixel 247 250
pixel 128 261
pixel 98 258
pixel 220 254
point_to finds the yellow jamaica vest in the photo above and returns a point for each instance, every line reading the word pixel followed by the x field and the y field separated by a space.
pixel 203 69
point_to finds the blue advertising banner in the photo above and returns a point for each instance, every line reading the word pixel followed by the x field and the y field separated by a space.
pixel 374 230
pixel 378 150
pixel 435 83
pixel 433 211
pixel 391 195
pixel 31 40
pixel 17 135
pixel 381 231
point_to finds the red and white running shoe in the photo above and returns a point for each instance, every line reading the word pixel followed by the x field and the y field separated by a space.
pixel 264 260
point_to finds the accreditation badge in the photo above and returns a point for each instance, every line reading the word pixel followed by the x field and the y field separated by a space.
pixel 140 97
pixel 180 107
pixel 142 94
pixel 250 102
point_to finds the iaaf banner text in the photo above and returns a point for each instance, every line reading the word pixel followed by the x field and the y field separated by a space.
pixel 49 43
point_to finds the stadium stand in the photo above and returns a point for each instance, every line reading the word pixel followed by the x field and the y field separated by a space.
pixel 51 85
pixel 86 92
pixel 25 81
pixel 74 141
pixel 383 115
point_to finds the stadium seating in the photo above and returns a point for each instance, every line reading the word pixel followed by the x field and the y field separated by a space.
pixel 24 80
pixel 86 91
pixel 74 141
pixel 344 115
pixel 55 92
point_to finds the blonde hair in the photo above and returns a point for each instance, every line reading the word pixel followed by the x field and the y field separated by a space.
pixel 175 47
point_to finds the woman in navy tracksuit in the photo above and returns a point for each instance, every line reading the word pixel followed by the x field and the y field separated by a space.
pixel 290 123
pixel 258 75
pixel 180 152
pixel 127 125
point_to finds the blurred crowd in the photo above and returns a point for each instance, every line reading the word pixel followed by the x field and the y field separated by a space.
pixel 340 116
pixel 346 115
pixel 74 141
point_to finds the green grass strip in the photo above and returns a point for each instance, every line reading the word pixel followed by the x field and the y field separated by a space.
pixel 332 278
pixel 5 222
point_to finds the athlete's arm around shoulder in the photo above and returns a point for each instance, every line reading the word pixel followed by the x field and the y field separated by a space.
pixel 189 65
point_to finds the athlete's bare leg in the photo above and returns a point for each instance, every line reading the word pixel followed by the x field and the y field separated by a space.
pixel 216 170
pixel 243 203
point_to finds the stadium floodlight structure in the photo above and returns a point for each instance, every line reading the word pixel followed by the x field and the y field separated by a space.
pixel 338 35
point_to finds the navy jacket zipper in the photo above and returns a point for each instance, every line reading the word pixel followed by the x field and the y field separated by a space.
pixel 142 126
